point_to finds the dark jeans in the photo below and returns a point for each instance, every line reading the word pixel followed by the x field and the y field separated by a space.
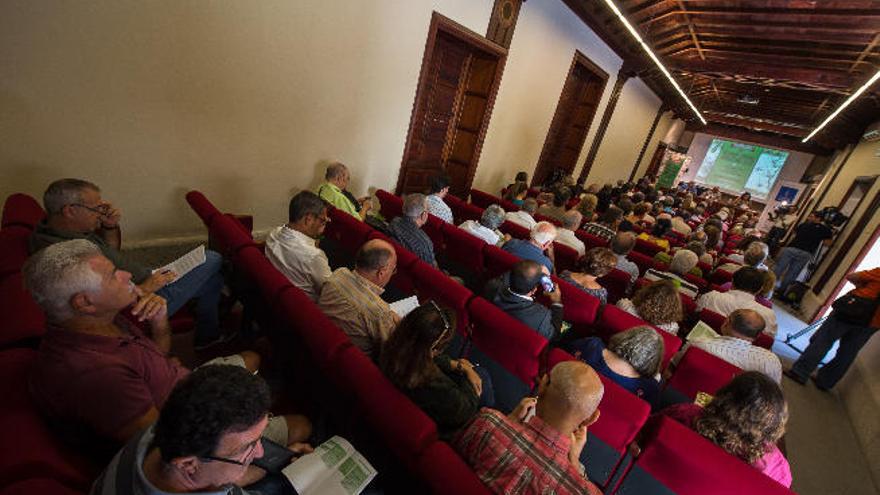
pixel 205 282
pixel 852 339
pixel 487 398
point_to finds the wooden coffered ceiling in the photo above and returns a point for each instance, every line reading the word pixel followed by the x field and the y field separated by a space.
pixel 772 67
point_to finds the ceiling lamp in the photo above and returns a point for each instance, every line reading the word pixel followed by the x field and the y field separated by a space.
pixel 845 104
pixel 656 60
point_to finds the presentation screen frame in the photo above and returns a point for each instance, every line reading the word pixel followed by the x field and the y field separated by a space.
pixel 736 167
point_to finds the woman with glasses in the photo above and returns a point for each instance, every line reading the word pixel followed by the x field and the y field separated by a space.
pixel 450 391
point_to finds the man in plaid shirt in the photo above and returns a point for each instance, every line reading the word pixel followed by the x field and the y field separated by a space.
pixel 537 448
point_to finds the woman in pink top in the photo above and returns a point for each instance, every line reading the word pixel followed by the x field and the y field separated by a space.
pixel 746 418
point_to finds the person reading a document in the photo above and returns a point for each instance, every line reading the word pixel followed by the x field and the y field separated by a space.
pixel 75 210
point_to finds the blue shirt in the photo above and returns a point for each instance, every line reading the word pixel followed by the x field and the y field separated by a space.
pixel 527 251
pixel 589 350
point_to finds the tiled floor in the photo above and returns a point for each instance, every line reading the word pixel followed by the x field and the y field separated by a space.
pixel 821 445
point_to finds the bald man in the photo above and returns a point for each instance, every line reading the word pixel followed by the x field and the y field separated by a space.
pixel 352 299
pixel 540 453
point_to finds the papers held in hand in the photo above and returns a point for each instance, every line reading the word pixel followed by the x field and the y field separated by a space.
pixel 404 306
pixel 334 468
pixel 702 331
pixel 183 265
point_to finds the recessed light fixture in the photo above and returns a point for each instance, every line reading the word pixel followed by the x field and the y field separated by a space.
pixel 849 100
pixel 656 60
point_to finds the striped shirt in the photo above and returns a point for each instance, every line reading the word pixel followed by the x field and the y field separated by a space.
pixel 514 458
pixel 684 286
pixel 742 354
pixel 599 230
pixel 439 208
pixel 355 305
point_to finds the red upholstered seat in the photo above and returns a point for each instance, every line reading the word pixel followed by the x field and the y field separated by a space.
pixel 23 319
pixel 706 268
pixel 22 210
pixel 647 248
pixel 405 429
pixel 346 231
pixel 543 218
pixel 446 472
pixel 711 318
pixel 643 261
pixel 614 320
pixel 566 257
pixel 699 282
pixel 497 261
pixel 764 340
pixel 323 339
pixel 431 283
pixel 516 231
pixel 580 309
pixel 699 371
pixel 390 206
pixel 590 241
pixel 434 229
pixel 39 485
pixel 203 208
pixel 482 199
pixel 13 249
pixel 720 277
pixel 456 205
pixel 28 449
pixel 510 343
pixel 507 205
pixel 685 463
pixel 617 283
pixel 687 304
pixel 661 266
pixel 468 211
pixel 464 249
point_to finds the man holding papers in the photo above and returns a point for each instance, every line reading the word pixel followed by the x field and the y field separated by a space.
pixel 75 210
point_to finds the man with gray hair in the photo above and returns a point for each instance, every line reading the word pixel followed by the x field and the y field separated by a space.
pixel 487 228
pixel 682 263
pixel 524 217
pixel 537 447
pixel 539 246
pixel 97 374
pixel 571 221
pixel 75 210
pixel 407 228
pixel 622 244
pixel 334 191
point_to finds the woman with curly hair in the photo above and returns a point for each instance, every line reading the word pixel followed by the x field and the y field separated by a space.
pixel 632 359
pixel 597 263
pixel 414 358
pixel 746 418
pixel 658 303
pixel 587 207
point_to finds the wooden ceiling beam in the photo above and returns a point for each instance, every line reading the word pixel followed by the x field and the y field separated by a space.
pixel 812 15
pixel 775 140
pixel 776 57
pixel 751 68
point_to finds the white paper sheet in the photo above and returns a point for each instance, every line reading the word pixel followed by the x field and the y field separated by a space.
pixel 404 306
pixel 183 265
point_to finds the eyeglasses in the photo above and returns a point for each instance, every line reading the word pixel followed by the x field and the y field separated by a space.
pixel 100 209
pixel 446 326
pixel 249 450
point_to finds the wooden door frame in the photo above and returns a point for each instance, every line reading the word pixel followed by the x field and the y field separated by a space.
pixel 439 22
pixel 593 68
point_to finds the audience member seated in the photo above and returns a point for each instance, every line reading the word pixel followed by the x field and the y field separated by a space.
pixel 540 241
pixel 556 209
pixel 487 228
pixel 657 303
pixel 439 188
pixel 352 299
pixel 637 216
pixel 701 237
pixel 658 233
pixel 621 246
pixel 745 418
pixel 414 359
pixel 516 193
pixel 695 247
pixel 682 263
pixel 747 283
pixel 98 378
pixel 597 263
pixel 205 440
pixel 407 228
pixel 334 191
pixel 293 248
pixel 524 216
pixel 632 359
pixel 587 205
pixel 679 224
pixel 735 344
pixel 537 448
pixel 570 222
pixel 515 294
pixel 754 255
pixel 606 228
pixel 713 238
pixel 521 178
pixel 75 210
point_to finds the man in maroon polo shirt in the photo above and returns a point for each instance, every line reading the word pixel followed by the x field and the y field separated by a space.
pixel 98 377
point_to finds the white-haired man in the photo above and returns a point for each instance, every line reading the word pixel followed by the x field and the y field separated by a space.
pixel 407 228
pixel 539 246
pixel 524 217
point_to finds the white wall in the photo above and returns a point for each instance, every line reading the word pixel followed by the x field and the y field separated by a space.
pixel 667 121
pixel 247 100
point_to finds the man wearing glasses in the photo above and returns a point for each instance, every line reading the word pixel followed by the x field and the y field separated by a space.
pixel 205 440
pixel 75 210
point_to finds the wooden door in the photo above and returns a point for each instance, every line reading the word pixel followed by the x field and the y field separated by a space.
pixel 454 99
pixel 574 114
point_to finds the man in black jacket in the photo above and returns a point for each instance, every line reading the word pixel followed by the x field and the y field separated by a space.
pixel 515 293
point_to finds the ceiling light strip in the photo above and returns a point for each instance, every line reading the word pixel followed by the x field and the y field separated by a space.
pixel 845 104
pixel 656 60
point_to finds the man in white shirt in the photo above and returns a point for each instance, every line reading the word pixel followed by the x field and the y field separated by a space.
pixel 747 282
pixel 292 248
pixel 524 217
pixel 735 345
pixel 570 222
pixel 487 228
pixel 436 205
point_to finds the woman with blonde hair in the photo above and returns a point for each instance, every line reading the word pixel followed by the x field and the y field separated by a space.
pixel 658 304
pixel 587 207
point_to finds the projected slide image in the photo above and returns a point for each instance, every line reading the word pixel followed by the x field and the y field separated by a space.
pixel 737 167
